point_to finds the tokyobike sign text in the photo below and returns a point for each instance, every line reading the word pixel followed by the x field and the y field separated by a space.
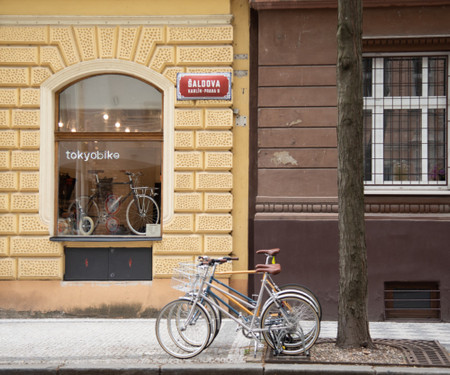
pixel 94 155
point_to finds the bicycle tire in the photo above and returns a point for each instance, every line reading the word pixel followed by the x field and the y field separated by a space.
pixel 139 217
pixel 293 320
pixel 307 291
pixel 80 207
pixel 214 316
pixel 86 226
pixel 178 315
pixel 175 326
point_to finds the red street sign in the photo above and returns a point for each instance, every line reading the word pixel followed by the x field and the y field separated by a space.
pixel 195 86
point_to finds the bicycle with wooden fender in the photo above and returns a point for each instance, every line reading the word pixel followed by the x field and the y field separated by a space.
pixel 287 320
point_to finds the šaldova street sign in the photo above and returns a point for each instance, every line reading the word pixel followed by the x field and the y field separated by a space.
pixel 206 86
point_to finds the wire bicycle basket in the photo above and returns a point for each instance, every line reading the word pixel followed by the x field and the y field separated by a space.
pixel 187 277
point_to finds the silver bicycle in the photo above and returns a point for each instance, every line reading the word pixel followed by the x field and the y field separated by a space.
pixel 287 320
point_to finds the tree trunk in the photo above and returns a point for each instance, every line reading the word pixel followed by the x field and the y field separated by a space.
pixel 353 326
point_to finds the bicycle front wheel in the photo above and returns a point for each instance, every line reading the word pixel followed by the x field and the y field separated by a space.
pixel 142 210
pixel 86 226
pixel 183 329
pixel 80 208
pixel 290 324
pixel 215 319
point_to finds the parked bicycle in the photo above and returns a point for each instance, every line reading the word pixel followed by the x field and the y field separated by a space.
pixel 298 288
pixel 86 212
pixel 288 320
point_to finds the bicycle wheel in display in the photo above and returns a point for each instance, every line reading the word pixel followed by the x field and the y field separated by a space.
pixel 183 329
pixel 112 204
pixel 142 210
pixel 303 290
pixel 290 324
pixel 80 208
pixel 86 226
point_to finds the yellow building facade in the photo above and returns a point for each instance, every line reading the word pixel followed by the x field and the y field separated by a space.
pixel 49 44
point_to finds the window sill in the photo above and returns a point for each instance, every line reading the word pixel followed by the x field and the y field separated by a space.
pixel 103 238
pixel 400 191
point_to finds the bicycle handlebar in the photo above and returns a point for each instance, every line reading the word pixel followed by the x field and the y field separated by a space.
pixel 210 261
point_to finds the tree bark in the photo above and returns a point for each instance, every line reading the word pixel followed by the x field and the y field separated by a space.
pixel 353 326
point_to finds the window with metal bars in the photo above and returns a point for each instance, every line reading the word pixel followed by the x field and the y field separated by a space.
pixel 405 121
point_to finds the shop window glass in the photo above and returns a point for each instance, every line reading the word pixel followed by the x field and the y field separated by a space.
pixel 109 158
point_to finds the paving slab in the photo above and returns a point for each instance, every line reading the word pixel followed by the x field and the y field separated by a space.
pixel 129 346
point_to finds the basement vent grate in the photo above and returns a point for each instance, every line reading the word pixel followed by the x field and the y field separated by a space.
pixel 412 300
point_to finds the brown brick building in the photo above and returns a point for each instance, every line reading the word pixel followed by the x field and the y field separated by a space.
pixel 293 193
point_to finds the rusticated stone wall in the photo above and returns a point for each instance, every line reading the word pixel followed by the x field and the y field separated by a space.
pixel 202 155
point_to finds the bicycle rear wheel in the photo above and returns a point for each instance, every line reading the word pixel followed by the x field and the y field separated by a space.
pixel 303 290
pixel 142 210
pixel 290 324
pixel 183 329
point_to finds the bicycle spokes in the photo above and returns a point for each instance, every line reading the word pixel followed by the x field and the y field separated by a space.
pixel 141 211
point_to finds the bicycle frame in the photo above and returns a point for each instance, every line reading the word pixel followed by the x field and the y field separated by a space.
pixel 132 191
pixel 247 304
pixel 304 291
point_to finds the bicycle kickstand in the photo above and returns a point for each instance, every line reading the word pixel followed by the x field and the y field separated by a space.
pixel 256 344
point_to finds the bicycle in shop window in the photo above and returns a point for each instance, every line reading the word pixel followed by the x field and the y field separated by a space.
pixel 85 213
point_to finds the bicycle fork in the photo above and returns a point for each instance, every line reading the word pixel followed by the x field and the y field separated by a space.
pixel 192 317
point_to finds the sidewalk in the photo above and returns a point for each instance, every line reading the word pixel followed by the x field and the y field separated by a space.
pixel 90 346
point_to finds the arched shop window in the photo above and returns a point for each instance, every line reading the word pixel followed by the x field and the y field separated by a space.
pixel 109 147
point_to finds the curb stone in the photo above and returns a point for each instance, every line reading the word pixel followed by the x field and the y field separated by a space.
pixel 27 369
pixel 109 370
pixel 411 371
pixel 307 369
pixel 284 369
pixel 208 369
pixel 219 369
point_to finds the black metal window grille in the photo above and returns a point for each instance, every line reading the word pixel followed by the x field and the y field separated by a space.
pixel 412 300
pixel 405 117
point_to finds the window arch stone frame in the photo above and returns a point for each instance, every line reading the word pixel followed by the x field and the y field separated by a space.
pixel 47 128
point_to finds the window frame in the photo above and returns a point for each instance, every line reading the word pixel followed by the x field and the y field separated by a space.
pixel 63 78
pixel 383 188
pixel 87 136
